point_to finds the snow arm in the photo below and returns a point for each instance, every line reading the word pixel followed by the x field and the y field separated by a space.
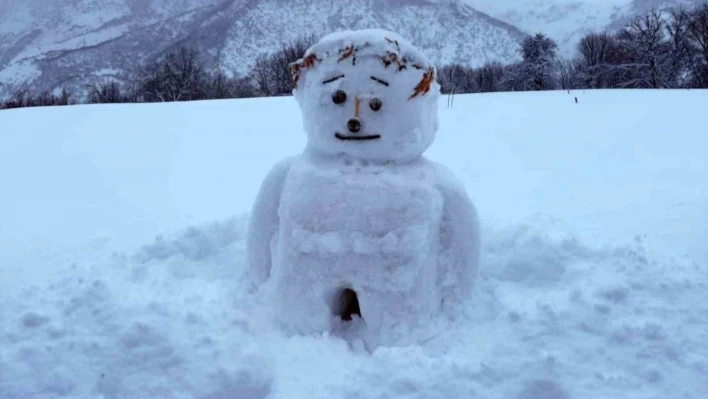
pixel 459 238
pixel 264 222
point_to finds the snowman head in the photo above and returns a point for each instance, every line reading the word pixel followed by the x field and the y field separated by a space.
pixel 368 94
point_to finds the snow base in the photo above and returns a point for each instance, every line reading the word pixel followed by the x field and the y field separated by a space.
pixel 551 318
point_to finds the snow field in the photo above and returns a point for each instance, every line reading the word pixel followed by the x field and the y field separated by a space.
pixel 594 265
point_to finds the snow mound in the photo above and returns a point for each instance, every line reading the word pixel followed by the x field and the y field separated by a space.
pixel 599 322
pixel 194 244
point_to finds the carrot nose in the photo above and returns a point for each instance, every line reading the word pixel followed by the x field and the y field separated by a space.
pixel 357 105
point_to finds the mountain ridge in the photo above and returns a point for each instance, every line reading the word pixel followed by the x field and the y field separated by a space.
pixel 86 48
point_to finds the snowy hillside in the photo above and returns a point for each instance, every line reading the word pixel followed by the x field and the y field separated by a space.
pixel 122 254
pixel 79 41
pixel 566 21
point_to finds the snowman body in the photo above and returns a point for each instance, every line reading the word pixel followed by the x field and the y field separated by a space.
pixel 371 229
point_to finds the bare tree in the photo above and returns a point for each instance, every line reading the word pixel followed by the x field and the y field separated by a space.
pixel 272 72
pixel 20 98
pixel 23 97
pixel 178 76
pixel 643 42
pixel 568 75
pixel 64 98
pixel 488 78
pixel 261 73
pixel 218 86
pixel 598 54
pixel 698 37
pixel 457 78
pixel 679 47
pixel 595 48
pixel 107 92
pixel 185 75
pixel 44 99
pixel 243 87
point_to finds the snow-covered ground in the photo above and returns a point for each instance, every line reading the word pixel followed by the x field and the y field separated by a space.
pixel 122 254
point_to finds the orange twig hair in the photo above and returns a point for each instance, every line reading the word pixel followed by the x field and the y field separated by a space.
pixel 296 68
pixel 424 86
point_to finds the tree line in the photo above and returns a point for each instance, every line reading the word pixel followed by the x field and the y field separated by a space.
pixel 181 75
pixel 661 49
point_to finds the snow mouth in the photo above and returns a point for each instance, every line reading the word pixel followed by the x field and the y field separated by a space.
pixel 356 138
pixel 348 304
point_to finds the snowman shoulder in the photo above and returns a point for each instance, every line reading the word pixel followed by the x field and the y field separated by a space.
pixel 459 235
pixel 264 220
pixel 459 212
pixel 446 181
pixel 272 185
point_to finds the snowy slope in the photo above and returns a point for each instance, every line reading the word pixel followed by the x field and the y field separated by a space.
pixel 51 43
pixel 71 43
pixel 595 270
pixel 566 21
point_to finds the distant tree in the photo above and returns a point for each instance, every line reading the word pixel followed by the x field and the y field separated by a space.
pixel 488 78
pixel 457 78
pixel 178 76
pixel 64 98
pixel 20 98
pixel 698 42
pixel 186 75
pixel 595 48
pixel 539 68
pixel 23 97
pixel 243 87
pixel 569 75
pixel 679 47
pixel 598 55
pixel 282 60
pixel 643 43
pixel 262 75
pixel 271 72
pixel 218 86
pixel 107 92
pixel 446 79
pixel 150 83
pixel 44 99
pixel 130 92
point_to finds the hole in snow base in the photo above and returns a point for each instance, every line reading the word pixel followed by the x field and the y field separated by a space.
pixel 348 304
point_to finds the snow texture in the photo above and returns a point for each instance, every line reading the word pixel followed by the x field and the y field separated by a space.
pixel 123 269
pixel 369 215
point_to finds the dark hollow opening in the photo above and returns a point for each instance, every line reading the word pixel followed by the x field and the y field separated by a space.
pixel 349 304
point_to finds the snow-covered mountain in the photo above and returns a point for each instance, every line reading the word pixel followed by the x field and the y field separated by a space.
pixel 566 21
pixel 74 42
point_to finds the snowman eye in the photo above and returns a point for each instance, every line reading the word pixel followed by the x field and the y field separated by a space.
pixel 339 97
pixel 375 104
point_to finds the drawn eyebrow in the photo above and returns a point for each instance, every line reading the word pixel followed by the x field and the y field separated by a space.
pixel 383 82
pixel 332 80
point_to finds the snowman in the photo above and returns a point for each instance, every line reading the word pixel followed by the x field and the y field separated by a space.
pixel 361 228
